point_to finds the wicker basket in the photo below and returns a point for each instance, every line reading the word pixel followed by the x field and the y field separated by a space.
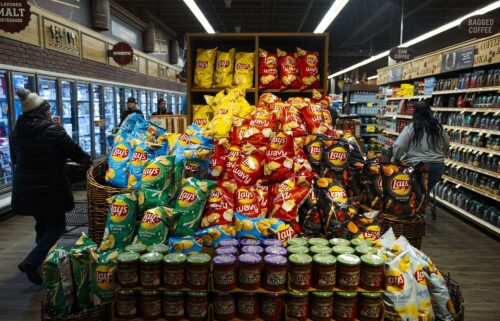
pixel 412 228
pixel 99 313
pixel 97 195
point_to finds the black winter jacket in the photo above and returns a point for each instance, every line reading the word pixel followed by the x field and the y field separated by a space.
pixel 128 112
pixel 39 150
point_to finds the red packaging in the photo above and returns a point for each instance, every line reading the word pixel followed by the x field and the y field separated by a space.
pixel 266 99
pixel 249 166
pixel 218 162
pixel 219 209
pixel 302 167
pixel 247 202
pixel 292 121
pixel 313 117
pixel 286 199
pixel 263 197
pixel 233 156
pixel 278 107
pixel 279 158
pixel 308 62
pixel 261 127
pixel 298 102
pixel 289 74
pixel 268 70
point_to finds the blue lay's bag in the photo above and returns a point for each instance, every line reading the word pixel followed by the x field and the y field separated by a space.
pixel 145 130
pixel 211 236
pixel 261 228
pixel 118 163
pixel 127 127
pixel 185 245
pixel 143 152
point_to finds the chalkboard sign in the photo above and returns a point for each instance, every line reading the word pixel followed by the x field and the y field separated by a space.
pixel 480 26
pixel 402 54
pixel 457 59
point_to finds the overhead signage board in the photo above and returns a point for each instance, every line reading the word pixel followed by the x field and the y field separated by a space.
pixel 15 15
pixel 401 54
pixel 462 58
pixel 480 26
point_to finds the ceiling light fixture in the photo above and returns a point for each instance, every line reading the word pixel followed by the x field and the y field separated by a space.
pixel 331 14
pixel 199 15
pixel 455 23
pixel 372 77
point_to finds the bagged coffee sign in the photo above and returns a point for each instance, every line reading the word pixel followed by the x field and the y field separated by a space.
pixel 480 26
pixel 15 15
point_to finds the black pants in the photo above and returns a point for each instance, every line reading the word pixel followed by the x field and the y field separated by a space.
pixel 49 229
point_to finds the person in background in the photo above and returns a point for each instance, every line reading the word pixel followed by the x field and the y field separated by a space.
pixel 423 140
pixel 131 108
pixel 39 150
pixel 161 108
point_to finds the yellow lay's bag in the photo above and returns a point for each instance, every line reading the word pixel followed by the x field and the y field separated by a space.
pixel 223 76
pixel 243 69
pixel 204 67
pixel 202 115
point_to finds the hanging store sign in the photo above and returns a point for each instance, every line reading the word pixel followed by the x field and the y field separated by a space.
pixel 402 54
pixel 15 15
pixel 480 26
pixel 122 53
pixel 457 59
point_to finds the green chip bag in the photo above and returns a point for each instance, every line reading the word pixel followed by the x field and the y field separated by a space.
pixel 154 226
pixel 157 173
pixel 176 183
pixel 103 273
pixel 149 198
pixel 190 205
pixel 81 266
pixel 57 280
pixel 120 225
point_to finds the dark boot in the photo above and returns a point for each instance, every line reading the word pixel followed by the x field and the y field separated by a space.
pixel 31 272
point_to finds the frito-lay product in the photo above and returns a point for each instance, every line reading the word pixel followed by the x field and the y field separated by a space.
pixel 117 173
pixel 249 166
pixel 261 126
pixel 204 67
pixel 313 118
pixel 233 155
pixel 219 209
pixel 314 150
pixel 308 62
pixel 190 204
pixel 268 70
pixel 224 65
pixel 154 226
pixel 266 99
pixel 127 127
pixel 247 202
pixel 354 183
pixel 223 120
pixel 157 173
pixel 142 152
pixel 145 130
pixel 217 165
pixel 286 198
pixel 288 70
pixel 373 186
pixel 279 163
pixel 196 161
pixel 310 217
pixel 243 69
pixel 57 280
pixel 211 236
pixel 259 228
pixel 291 120
pixel 149 198
pixel 203 114
pixel 120 225
pixel 103 273
pixel 335 159
pixel 369 225
pixel 81 267
pixel 184 245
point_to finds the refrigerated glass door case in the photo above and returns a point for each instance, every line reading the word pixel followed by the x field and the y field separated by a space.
pixel 174 103
pixel 5 162
pixel 143 103
pixel 109 113
pixel 21 81
pixel 69 119
pixel 153 102
pixel 98 123
pixel 48 90
pixel 119 104
pixel 84 121
pixel 128 93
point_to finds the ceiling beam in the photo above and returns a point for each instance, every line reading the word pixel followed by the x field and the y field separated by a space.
pixel 304 17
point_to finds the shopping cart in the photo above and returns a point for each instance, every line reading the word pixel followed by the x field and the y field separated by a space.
pixel 78 217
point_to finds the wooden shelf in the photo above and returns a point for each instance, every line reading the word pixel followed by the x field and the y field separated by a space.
pixel 472 168
pixel 288 90
pixel 390 132
pixel 397 116
pixel 408 97
pixel 481 150
pixel 470 90
pixel 216 90
pixel 467 110
pixel 476 220
pixel 486 132
pixel 475 189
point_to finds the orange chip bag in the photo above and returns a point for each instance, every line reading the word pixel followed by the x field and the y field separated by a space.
pixel 308 62
pixel 289 74
pixel 204 67
pixel 223 76
pixel 268 70
pixel 243 70
pixel 313 116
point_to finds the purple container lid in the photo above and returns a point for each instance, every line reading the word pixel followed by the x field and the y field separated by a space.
pixel 229 242
pixel 275 259
pixel 224 259
pixel 245 242
pixel 276 250
pixel 226 250
pixel 273 242
pixel 250 258
pixel 252 249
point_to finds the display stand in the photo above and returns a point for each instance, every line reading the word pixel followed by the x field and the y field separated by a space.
pixel 172 123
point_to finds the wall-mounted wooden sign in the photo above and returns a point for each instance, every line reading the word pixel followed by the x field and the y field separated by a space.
pixel 487 52
pixel 417 68
pixel 402 54
pixel 61 38
pixel 480 26
pixel 122 53
pixel 15 15
pixel 457 59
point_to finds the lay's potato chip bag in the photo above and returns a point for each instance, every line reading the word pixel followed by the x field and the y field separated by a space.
pixel 103 272
pixel 127 127
pixel 143 151
pixel 223 76
pixel 154 226
pixel 57 280
pixel 120 225
pixel 148 198
pixel 118 161
pixel 243 69
pixel 185 245
pixel 204 67
pixel 211 236
pixel 202 115
pixel 157 173
pixel 81 266
pixel 261 228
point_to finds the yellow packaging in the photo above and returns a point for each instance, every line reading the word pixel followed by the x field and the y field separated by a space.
pixel 223 76
pixel 204 67
pixel 244 69
pixel 202 115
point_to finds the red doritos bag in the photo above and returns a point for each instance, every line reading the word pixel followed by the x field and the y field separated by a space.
pixel 308 68
pixel 288 68
pixel 268 70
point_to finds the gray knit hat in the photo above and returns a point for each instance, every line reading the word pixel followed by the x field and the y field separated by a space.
pixel 29 101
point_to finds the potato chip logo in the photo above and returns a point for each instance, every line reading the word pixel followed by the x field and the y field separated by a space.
pixel 150 172
pixel 104 276
pixel 289 61
pixel 285 233
pixel 249 164
pixel 192 166
pixel 419 275
pixel 278 142
pixel 201 121
pixel 372 233
pixel 119 211
pixel 242 66
pixel 223 63
pixel 337 193
pixel 397 281
pixel 245 196
pixel 311 60
pixel 315 150
pixel 187 197
pixel 139 156
pixel 337 156
pixel 216 195
pixel 152 131
pixel 151 219
pixel 400 184
pixel 120 153
pixel 222 111
pixel 201 64
pixel 271 61
pixel 184 140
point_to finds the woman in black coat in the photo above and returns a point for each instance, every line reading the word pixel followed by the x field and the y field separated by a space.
pixel 39 150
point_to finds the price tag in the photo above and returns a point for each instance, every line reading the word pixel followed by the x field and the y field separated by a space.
pixel 369 105
pixel 370 128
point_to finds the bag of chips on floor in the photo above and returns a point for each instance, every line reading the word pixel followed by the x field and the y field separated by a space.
pixel 157 173
pixel 120 225
pixel 288 70
pixel 118 163
pixel 204 67
pixel 81 266
pixel 373 185
pixel 190 205
pixel 142 153
pixel 103 273
pixel 308 62
pixel 58 281
pixel 154 226
pixel 211 236
pixel 268 70
pixel 369 225
pixel 249 166
pixel 185 245
pixel 203 114
pixel 243 69
pixel 219 209
pixel 223 76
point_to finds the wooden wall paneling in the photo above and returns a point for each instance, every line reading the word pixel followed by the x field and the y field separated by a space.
pixel 487 51
pixel 143 65
pixel 54 36
pixel 152 68
pixel 94 49
pixel 29 35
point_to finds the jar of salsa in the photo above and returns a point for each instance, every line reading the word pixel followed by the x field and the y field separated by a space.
pixel 197 270
pixel 174 270
pixel 372 272
pixel 364 249
pixel 227 250
pixel 297 241
pixel 317 241
pixel 297 306
pixel 300 271
pixel 321 306
pixel 229 242
pixel 245 242
pixel 296 249
pixel 324 271
pixel 272 242
pixel 224 307
pixel 224 272
pixel 252 249
pixel 345 306
pixel 320 249
pixel 358 242
pixel 271 307
pixel 150 305
pixel 249 272
pixel 197 306
pixel 137 248
pixel 342 249
pixel 173 305
pixel 151 270
pixel 370 307
pixel 274 273
pixel 348 272
pixel 127 271
pixel 276 250
pixel 248 306
pixel 126 304
pixel 159 248
pixel 339 241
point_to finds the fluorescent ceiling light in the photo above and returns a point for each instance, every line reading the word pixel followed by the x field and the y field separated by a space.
pixel 372 77
pixel 335 9
pixel 199 15
pixel 455 23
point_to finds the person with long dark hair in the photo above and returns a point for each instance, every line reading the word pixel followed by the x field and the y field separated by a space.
pixel 423 140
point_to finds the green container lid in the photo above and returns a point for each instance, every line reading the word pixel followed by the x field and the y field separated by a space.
pixel 150 292
pixel 320 249
pixel 364 249
pixel 299 241
pixel 358 242
pixel 317 241
pixel 175 258
pixel 324 259
pixel 296 249
pixel 126 292
pixel 137 248
pixel 342 249
pixel 338 241
pixel 172 293
pixel 160 248
pixel 347 295
pixel 371 295
pixel 298 294
pixel 151 258
pixel 349 259
pixel 200 258
pixel 300 259
pixel 128 257
pixel 197 294
pixel 323 294
pixel 372 259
